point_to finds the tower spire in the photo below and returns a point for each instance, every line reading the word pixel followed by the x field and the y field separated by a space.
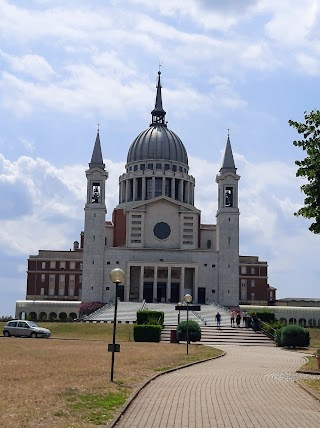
pixel 158 114
pixel 96 159
pixel 228 161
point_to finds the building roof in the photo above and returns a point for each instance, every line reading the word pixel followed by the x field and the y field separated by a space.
pixel 228 161
pixel 96 159
pixel 157 142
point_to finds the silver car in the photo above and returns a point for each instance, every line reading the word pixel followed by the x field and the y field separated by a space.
pixel 24 328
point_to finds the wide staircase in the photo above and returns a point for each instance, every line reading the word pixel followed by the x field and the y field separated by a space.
pixel 210 335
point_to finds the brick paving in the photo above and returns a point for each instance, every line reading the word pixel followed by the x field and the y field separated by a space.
pixel 249 387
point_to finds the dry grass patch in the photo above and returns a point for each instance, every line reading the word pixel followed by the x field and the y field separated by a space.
pixel 66 383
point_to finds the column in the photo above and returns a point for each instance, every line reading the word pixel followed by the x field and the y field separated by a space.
pixel 141 283
pixel 180 190
pixel 153 186
pixel 169 284
pixel 127 190
pixel 195 285
pixel 173 188
pixel 127 286
pixel 155 283
pixel 182 272
pixel 134 196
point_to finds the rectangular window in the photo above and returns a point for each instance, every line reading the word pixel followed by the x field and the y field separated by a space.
pixel 158 166
pixel 42 291
pixel 243 295
pixel 148 188
pixel 72 265
pixel 62 279
pixel 253 271
pixel 166 166
pixel 52 264
pixel 43 265
pixel 150 165
pixel 158 186
pixel 81 265
pixel 243 270
pixel 71 279
pixel 71 290
pixel 61 290
pixel 168 187
pixel 51 290
pixel 52 279
pixel 43 277
pixel 252 296
pixel 243 283
pixel 253 283
pixel 62 265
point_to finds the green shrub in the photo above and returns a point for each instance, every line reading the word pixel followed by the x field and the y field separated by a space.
pixel 264 315
pixel 86 308
pixel 146 317
pixel 293 336
pixel 194 331
pixel 147 333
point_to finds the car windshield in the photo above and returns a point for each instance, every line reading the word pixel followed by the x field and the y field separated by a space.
pixel 32 324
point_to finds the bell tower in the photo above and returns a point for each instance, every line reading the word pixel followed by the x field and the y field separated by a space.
pixel 94 228
pixel 228 230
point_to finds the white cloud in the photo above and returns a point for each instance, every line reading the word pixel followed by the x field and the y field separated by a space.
pixel 32 65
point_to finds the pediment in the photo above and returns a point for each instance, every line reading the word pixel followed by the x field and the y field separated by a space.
pixel 141 205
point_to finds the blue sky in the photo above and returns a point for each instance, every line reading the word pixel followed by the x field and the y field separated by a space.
pixel 67 65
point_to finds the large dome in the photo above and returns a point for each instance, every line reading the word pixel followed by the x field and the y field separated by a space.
pixel 157 142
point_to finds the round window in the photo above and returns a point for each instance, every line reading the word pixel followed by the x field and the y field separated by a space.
pixel 162 230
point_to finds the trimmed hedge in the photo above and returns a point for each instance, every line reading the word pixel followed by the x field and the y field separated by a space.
pixel 146 317
pixel 147 333
pixel 292 336
pixel 194 331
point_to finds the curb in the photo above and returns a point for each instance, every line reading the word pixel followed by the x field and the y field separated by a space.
pixel 137 392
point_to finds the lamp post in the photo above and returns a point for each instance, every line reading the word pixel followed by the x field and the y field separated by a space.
pixel 179 305
pixel 188 299
pixel 117 276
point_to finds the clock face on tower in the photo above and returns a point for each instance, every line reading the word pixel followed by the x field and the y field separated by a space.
pixel 162 230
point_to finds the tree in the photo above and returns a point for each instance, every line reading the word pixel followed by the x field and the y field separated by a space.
pixel 309 167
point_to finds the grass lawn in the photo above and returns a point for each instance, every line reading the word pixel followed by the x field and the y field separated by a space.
pixel 61 383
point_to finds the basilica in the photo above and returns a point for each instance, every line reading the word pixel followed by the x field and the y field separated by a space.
pixel 156 236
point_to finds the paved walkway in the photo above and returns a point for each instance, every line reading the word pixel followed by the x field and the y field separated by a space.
pixel 250 387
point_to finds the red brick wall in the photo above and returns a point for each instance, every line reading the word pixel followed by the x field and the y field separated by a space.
pixel 119 231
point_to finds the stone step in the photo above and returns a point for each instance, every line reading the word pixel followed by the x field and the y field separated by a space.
pixel 225 336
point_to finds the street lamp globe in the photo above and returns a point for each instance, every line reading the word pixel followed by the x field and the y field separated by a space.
pixel 187 298
pixel 117 276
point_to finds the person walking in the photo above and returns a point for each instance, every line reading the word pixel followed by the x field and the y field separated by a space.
pixel 245 319
pixel 232 316
pixel 218 320
pixel 238 319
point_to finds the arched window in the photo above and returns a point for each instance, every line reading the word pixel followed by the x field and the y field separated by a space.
pixel 62 316
pixel 52 316
pixel 302 322
pixel 312 322
pixel 292 321
pixel 43 316
pixel 283 321
pixel 32 316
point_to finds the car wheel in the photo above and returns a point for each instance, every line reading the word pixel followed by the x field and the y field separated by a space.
pixel 33 335
pixel 6 334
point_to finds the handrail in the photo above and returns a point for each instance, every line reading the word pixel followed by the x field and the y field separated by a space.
pixel 200 318
pixel 266 332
